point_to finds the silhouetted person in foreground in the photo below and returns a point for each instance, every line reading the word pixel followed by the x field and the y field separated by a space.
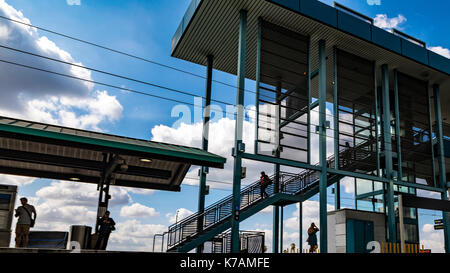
pixel 312 237
pixel 25 222
pixel 106 226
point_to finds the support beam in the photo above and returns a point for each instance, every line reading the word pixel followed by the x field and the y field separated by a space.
pixel 308 120
pixel 281 228
pixel 388 153
pixel 337 187
pixel 257 80
pixel 377 118
pixel 322 147
pixel 276 229
pixel 276 186
pixel 337 195
pixel 104 178
pixel 441 162
pixel 238 146
pixel 205 137
pixel 300 226
pixel 335 110
pixel 397 127
pixel 401 223
pixel 430 121
pixel 281 161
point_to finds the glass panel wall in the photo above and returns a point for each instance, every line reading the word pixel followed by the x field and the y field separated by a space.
pixel 356 113
pixel 283 93
pixel 415 130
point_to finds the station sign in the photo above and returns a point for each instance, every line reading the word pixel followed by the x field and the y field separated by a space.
pixel 438 227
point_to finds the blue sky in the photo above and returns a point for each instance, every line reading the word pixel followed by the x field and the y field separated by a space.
pixel 145 29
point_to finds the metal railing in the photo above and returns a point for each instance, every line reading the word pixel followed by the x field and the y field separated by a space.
pixel 187 228
pixel 289 183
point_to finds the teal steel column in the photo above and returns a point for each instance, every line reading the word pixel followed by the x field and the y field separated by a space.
pixel 430 121
pixel 388 152
pixel 300 226
pixel 397 127
pixel 238 146
pixel 275 229
pixel 206 117
pixel 258 72
pixel 441 162
pixel 322 147
pixel 337 188
pixel 281 228
pixel 276 184
pixel 377 118
pixel 308 120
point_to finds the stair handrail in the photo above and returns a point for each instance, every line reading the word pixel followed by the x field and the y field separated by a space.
pixel 215 206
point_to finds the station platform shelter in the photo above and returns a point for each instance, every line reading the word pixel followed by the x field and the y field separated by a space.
pixel 380 98
pixel 49 151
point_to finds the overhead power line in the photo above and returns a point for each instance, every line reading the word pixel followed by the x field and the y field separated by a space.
pixel 129 55
pixel 108 73
pixel 124 88
pixel 117 51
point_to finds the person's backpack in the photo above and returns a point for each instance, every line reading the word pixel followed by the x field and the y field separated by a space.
pixel 267 180
pixel 31 218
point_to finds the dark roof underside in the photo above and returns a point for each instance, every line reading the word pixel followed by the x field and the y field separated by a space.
pixel 211 27
pixel 48 151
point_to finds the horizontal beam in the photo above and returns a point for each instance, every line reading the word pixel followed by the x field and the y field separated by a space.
pixel 418 186
pixel 369 194
pixel 298 114
pixel 383 180
pixel 84 178
pixel 358 175
pixel 342 173
pixel 425 203
pixel 284 162
pixel 85 164
pixel 107 149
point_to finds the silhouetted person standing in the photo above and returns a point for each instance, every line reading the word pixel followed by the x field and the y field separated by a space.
pixel 106 226
pixel 25 222
pixel 312 237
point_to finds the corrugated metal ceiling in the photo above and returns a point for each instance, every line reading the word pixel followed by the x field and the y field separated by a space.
pixel 215 27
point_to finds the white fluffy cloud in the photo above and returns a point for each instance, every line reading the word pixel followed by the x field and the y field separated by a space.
pixel 349 184
pixel 384 22
pixel 182 213
pixel 134 235
pixel 221 141
pixel 15 180
pixel 64 193
pixel 432 239
pixel 310 211
pixel 73 2
pixel 44 97
pixel 137 210
pixel 441 51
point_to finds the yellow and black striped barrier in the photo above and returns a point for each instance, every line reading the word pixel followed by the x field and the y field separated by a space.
pixel 386 247
pixel 396 248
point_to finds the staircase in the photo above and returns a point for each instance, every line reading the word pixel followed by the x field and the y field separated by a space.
pixel 200 227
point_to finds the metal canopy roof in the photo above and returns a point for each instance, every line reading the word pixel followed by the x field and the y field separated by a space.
pixel 48 151
pixel 212 27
